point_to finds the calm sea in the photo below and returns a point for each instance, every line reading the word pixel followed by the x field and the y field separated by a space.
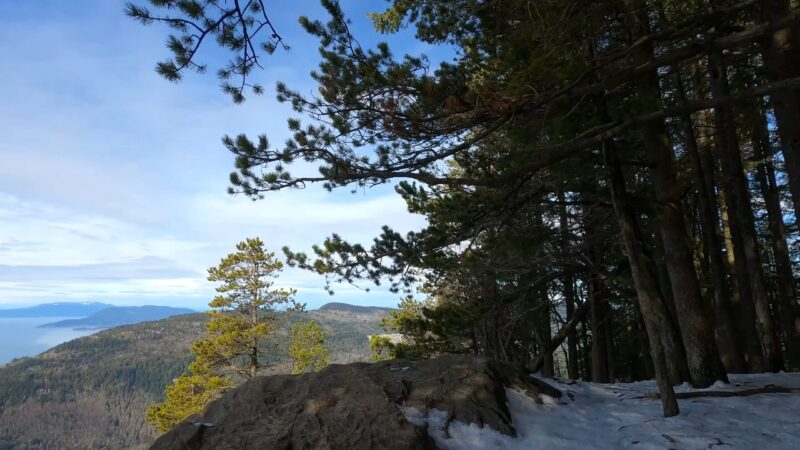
pixel 21 336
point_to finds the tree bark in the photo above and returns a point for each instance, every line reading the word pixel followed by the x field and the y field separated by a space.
pixel 254 302
pixel 572 340
pixel 599 315
pixel 544 317
pixel 654 313
pixel 569 290
pixel 781 53
pixel 585 358
pixel 546 333
pixel 697 332
pixel 611 360
pixel 489 294
pixel 740 216
pixel 724 328
pixel 741 298
pixel 786 296
pixel 599 295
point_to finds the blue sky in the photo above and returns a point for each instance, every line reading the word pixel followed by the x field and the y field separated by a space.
pixel 112 180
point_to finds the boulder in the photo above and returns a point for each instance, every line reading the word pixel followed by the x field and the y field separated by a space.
pixel 355 406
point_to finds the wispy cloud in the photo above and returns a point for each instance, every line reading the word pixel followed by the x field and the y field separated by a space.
pixel 112 181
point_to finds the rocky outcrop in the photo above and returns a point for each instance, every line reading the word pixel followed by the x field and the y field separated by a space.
pixel 355 406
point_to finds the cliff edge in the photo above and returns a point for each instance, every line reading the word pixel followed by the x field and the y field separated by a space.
pixel 356 406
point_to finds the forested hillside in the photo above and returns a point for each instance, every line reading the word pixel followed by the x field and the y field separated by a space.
pixel 93 392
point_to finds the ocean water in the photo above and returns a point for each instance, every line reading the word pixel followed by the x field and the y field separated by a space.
pixel 21 336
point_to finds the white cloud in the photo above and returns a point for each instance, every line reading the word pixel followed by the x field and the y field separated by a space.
pixel 53 252
pixel 112 181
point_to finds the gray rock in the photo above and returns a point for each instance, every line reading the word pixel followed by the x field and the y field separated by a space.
pixel 354 406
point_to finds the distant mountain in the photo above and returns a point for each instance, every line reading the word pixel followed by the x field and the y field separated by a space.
pixel 120 315
pixel 334 312
pixel 62 309
pixel 93 392
pixel 335 306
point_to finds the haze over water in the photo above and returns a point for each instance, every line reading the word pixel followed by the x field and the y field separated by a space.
pixel 23 337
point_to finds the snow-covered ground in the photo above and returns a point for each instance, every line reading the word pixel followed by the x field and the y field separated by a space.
pixel 614 416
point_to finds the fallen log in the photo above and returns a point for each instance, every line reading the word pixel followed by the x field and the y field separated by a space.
pixel 742 393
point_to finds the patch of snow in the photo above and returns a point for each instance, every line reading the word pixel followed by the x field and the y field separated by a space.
pixel 614 416
pixel 413 415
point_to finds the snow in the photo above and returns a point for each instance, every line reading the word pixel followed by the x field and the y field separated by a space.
pixel 614 416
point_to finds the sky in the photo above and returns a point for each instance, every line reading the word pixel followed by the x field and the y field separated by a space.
pixel 113 180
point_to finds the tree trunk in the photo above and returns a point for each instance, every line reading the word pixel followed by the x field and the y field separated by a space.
pixel 599 314
pixel 544 330
pixel 781 53
pixel 740 215
pixel 724 328
pixel 786 297
pixel 254 302
pixel 741 298
pixel 572 340
pixel 585 357
pixel 654 313
pixel 697 332
pixel 569 290
pixel 651 305
pixel 599 295
pixel 664 283
pixel 644 360
pixel 611 360
pixel 489 295
pixel 546 334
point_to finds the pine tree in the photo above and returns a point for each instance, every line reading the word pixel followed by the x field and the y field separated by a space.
pixel 189 394
pixel 307 347
pixel 242 317
pixel 244 314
